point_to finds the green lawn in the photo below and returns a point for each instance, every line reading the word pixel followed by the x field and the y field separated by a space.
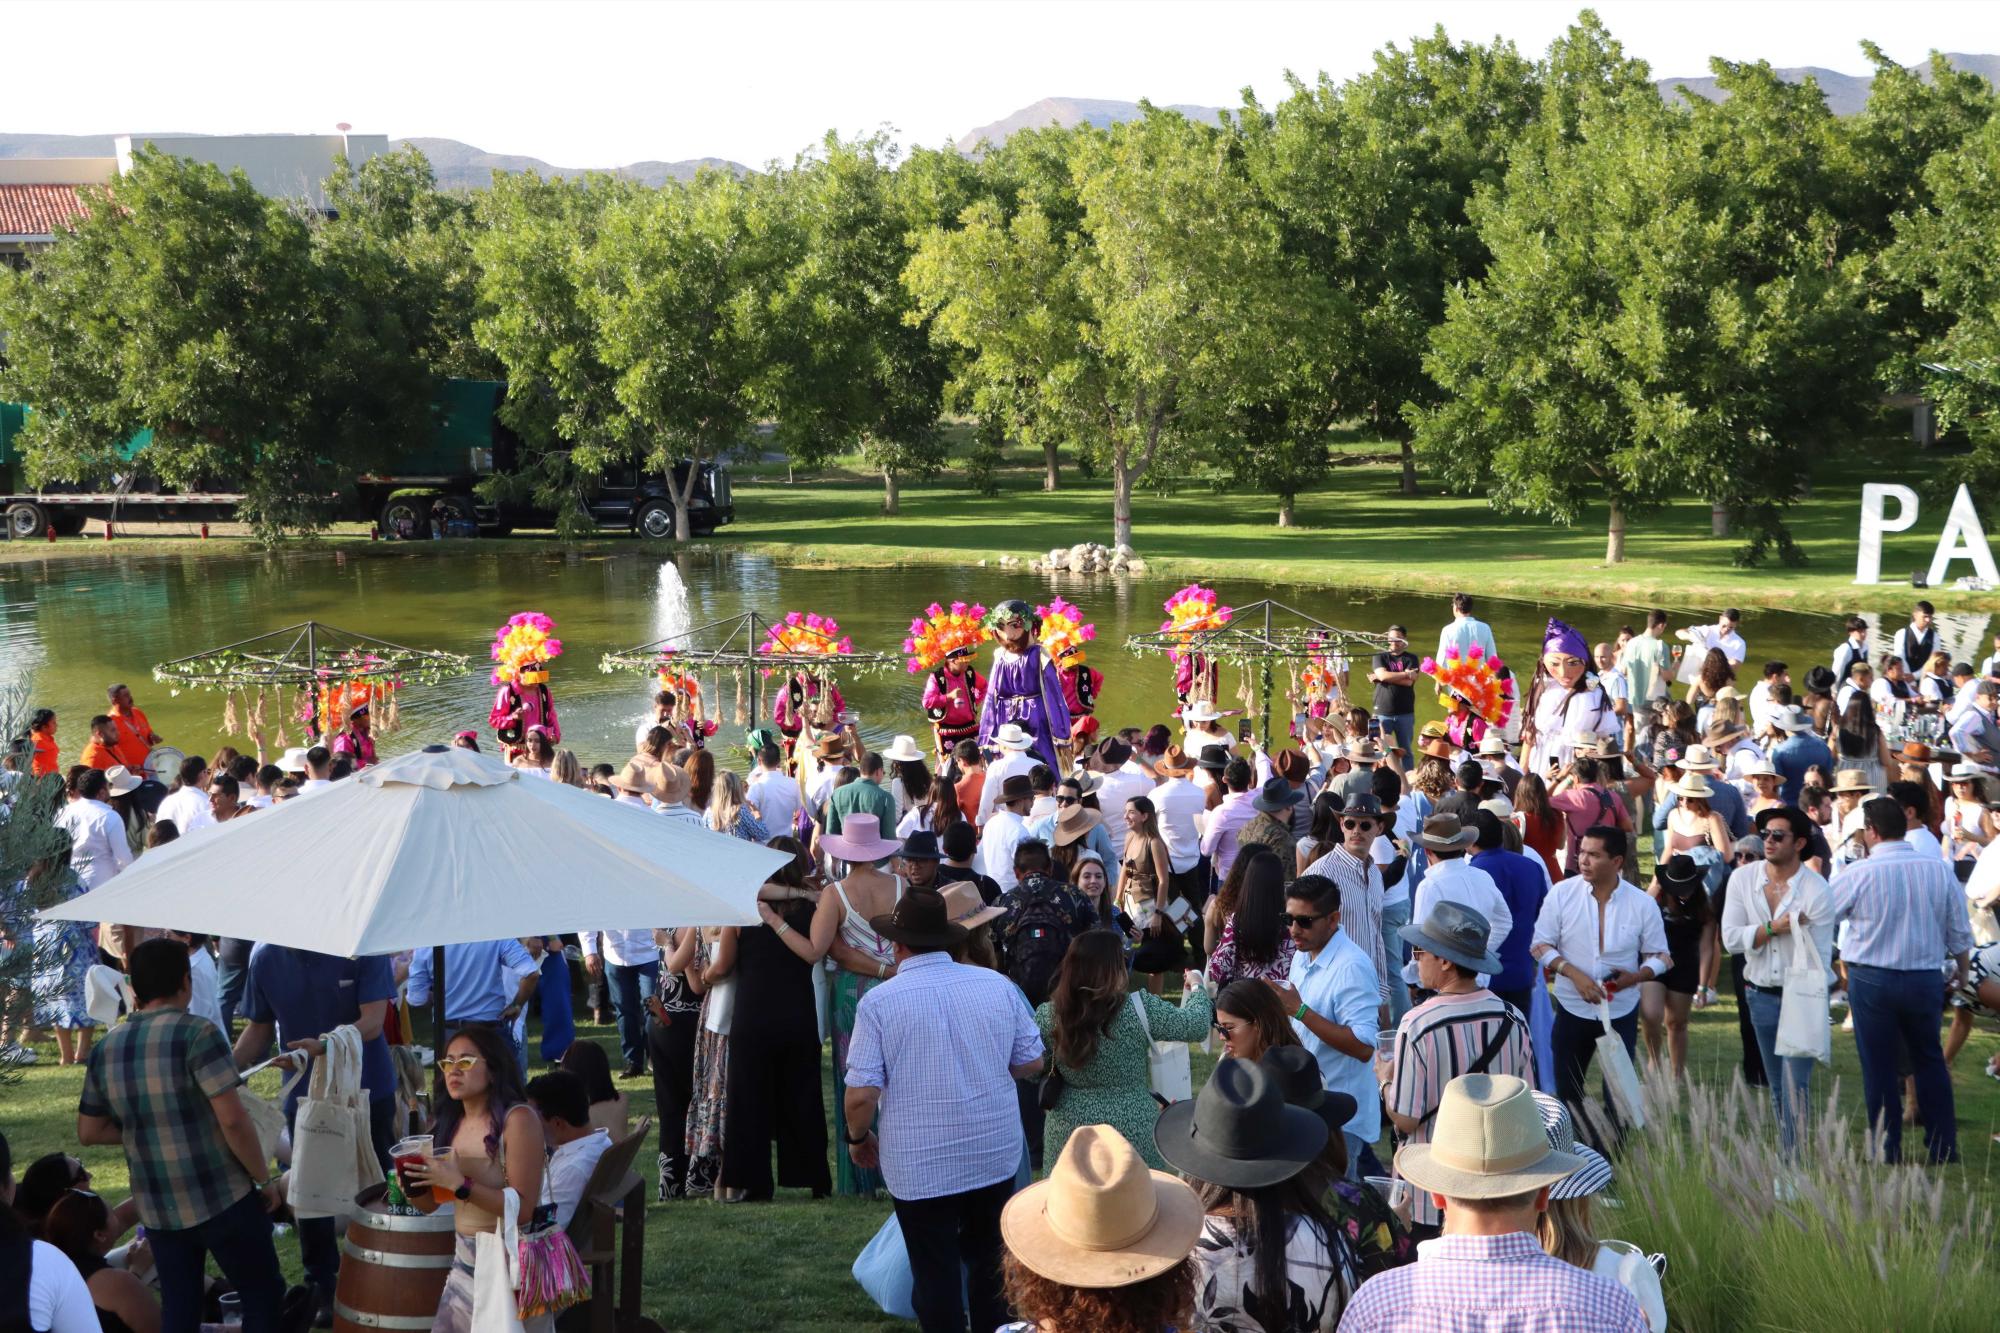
pixel 1356 531
pixel 784 1265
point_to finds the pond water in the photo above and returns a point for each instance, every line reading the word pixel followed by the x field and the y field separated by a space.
pixel 71 628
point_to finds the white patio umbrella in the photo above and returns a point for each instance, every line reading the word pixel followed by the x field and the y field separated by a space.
pixel 438 847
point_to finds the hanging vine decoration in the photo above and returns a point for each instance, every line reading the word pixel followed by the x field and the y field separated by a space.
pixel 746 643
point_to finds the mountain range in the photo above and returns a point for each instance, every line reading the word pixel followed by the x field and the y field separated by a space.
pixel 463 166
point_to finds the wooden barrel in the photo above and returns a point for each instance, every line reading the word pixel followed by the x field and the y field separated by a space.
pixel 392 1269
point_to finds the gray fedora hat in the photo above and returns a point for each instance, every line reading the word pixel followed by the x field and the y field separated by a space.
pixel 1239 1131
pixel 1457 934
pixel 1277 796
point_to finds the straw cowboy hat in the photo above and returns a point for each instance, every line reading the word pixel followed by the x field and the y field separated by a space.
pixel 921 921
pixel 1175 762
pixel 1692 786
pixel 860 839
pixel 1492 746
pixel 1443 833
pixel 1457 934
pixel 1074 822
pixel 1297 1073
pixel 641 777
pixel 1101 1219
pixel 1964 772
pixel 1486 1143
pixel 1011 737
pixel 122 779
pixel 1760 768
pixel 903 750
pixel 964 907
pixel 1238 1132
pixel 1699 759
pixel 1594 1176
pixel 1201 710
pixel 1851 780
pixel 1364 751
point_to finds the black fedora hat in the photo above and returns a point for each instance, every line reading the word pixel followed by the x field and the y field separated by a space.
pixel 1277 796
pixel 919 922
pixel 1681 874
pixel 1298 1074
pixel 1215 758
pixel 921 845
pixel 1239 1132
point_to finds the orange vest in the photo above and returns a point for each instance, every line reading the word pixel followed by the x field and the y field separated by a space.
pixel 132 747
pixel 46 759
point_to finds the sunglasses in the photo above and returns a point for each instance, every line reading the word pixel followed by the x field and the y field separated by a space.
pixel 1289 920
pixel 1067 800
pixel 459 1063
pixel 1357 823
pixel 1226 1029
pixel 1772 835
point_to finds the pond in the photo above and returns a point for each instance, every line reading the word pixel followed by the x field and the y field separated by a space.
pixel 72 627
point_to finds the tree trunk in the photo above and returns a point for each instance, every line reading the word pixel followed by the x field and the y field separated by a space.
pixel 1409 486
pixel 1049 477
pixel 683 529
pixel 1718 519
pixel 1288 511
pixel 1614 546
pixel 1121 503
pixel 892 501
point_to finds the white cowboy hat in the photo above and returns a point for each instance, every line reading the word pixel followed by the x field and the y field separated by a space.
pixel 1011 737
pixel 1492 745
pixel 294 760
pixel 1792 718
pixel 122 780
pixel 1486 1143
pixel 1201 710
pixel 1693 786
pixel 903 750
pixel 1699 759
pixel 1760 768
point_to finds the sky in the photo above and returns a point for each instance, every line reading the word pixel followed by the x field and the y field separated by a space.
pixel 588 83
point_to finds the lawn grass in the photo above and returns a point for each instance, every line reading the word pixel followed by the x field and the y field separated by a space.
pixel 783 1266
pixel 1357 531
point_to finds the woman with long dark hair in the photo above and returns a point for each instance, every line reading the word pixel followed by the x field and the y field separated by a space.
pixel 1694 945
pixel 1858 741
pixel 1325 830
pixel 1543 828
pixel 1717 672
pixel 81 1226
pixel 494 1143
pixel 609 1108
pixel 911 786
pixel 54 1291
pixel 1099 1042
pixel 701 776
pixel 1250 1020
pixel 936 813
pixel 1255 943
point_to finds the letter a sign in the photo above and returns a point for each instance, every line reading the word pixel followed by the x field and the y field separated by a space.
pixel 1963 537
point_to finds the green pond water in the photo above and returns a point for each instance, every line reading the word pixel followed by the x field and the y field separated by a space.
pixel 71 628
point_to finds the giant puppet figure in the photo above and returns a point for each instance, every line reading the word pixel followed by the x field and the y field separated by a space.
pixel 808 703
pixel 1025 688
pixel 1565 702
pixel 1063 636
pixel 522 650
pixel 944 645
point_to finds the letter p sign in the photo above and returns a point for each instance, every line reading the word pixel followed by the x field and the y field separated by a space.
pixel 1874 522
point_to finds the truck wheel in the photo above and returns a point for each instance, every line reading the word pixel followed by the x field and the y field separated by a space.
pixel 656 522
pixel 27 521
pixel 459 509
pixel 406 509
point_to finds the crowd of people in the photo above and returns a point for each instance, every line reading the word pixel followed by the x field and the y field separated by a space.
pixel 1407 942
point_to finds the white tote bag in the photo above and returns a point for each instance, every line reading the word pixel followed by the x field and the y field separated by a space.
pixel 268 1116
pixel 330 1133
pixel 1805 1028
pixel 721 1005
pixel 1620 1079
pixel 1168 1062
pixel 496 1271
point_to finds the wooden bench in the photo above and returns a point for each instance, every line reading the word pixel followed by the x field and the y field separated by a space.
pixel 609 1232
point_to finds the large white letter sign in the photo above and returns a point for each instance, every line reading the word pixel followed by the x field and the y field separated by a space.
pixel 1962 539
pixel 1868 568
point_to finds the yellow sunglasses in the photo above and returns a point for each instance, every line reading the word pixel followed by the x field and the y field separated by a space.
pixel 461 1063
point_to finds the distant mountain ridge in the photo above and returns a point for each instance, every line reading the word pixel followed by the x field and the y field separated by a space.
pixel 458 166
pixel 1846 94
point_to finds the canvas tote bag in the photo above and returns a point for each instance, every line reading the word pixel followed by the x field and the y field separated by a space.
pixel 496 1271
pixel 1620 1079
pixel 332 1159
pixel 268 1116
pixel 1168 1062
pixel 1805 1026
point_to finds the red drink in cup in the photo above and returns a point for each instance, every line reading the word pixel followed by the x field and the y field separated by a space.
pixel 406 1153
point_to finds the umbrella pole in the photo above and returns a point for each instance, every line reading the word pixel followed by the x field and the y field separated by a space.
pixel 437 1027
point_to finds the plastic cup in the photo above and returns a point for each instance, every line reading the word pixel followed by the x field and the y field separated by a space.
pixel 231 1306
pixel 406 1153
pixel 439 1194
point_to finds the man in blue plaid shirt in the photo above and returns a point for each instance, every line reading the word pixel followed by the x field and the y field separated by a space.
pixel 163 1084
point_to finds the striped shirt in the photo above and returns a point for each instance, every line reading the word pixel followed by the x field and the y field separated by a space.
pixel 1361 898
pixel 1490 1284
pixel 1436 1042
pixel 1904 911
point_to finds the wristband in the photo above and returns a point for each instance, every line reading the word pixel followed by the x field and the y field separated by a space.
pixel 853 1142
pixel 1300 1016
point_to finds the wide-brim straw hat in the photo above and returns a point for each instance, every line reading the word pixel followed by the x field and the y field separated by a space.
pixel 1011 737
pixel 1722 733
pixel 903 750
pixel 122 780
pixel 1492 744
pixel 964 907
pixel 1074 822
pixel 1363 752
pixel 1760 768
pixel 642 777
pixel 1699 759
pixel 1852 779
pixel 1693 786
pixel 1238 1131
pixel 1102 1219
pixel 1486 1143
pixel 860 839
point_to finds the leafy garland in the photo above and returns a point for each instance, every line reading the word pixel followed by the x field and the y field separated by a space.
pixel 230 669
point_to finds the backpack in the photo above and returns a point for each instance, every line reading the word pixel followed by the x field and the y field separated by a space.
pixel 1038 935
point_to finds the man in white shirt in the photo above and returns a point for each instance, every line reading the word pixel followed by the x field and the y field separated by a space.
pixel 1177 804
pixel 574 1144
pixel 1465 631
pixel 1016 757
pixel 1852 649
pixel 1450 877
pixel 1006 828
pixel 1351 868
pixel 1120 778
pixel 773 793
pixel 187 804
pixel 1762 706
pixel 1916 641
pixel 319 767
pixel 1617 688
pixel 1602 936
pixel 99 848
pixel 629 962
pixel 1700 638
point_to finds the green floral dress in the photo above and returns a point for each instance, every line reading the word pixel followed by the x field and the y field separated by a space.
pixel 1115 1088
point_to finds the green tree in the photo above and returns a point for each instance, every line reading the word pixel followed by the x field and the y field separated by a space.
pixel 1668 309
pixel 194 307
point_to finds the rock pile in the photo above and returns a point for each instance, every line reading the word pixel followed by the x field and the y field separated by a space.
pixel 1089 558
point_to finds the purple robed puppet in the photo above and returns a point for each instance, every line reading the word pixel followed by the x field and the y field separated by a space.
pixel 1025 687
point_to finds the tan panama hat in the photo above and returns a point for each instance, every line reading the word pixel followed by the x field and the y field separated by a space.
pixel 1102 1219
pixel 1852 780
pixel 1486 1143
pixel 1693 786
pixel 1699 759
pixel 964 907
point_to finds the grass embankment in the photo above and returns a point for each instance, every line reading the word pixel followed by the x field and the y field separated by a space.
pixel 1358 532
pixel 783 1266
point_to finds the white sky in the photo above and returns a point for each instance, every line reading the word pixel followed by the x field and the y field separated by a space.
pixel 581 83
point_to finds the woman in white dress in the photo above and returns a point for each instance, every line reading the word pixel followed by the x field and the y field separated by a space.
pixel 1565 702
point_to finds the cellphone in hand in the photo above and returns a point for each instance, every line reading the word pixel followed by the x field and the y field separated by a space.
pixel 1374 728
pixel 1242 728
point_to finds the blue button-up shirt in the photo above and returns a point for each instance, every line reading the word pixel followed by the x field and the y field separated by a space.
pixel 1903 910
pixel 1523 881
pixel 1339 983
pixel 479 979
pixel 941 1039
pixel 1793 756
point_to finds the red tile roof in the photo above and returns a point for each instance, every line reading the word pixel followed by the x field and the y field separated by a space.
pixel 38 210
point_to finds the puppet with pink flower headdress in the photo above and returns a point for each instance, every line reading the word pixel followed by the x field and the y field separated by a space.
pixel 522 650
pixel 1064 637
